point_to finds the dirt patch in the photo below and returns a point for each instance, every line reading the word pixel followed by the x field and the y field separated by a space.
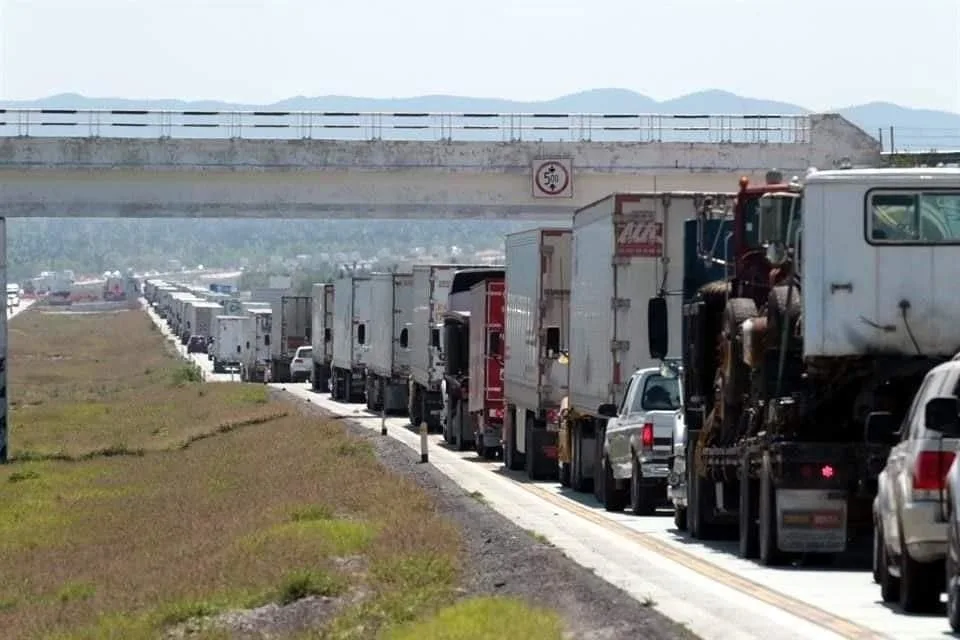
pixel 501 559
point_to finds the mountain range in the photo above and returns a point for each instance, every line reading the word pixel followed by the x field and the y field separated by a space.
pixel 914 129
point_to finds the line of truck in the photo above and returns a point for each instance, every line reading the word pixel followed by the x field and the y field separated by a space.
pixel 659 353
pixel 263 336
pixel 742 358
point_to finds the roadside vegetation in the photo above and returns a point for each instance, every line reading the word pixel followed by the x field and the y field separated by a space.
pixel 142 503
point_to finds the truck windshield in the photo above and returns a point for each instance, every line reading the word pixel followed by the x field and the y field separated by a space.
pixel 658 394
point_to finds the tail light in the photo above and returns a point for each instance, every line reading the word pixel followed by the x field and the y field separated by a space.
pixel 297 360
pixel 930 470
pixel 646 436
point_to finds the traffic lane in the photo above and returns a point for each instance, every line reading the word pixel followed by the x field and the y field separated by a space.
pixel 692 592
pixel 202 360
pixel 846 594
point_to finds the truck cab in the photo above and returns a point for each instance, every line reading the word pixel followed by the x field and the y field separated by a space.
pixel 638 440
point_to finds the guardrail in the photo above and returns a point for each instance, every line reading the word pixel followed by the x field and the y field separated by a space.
pixel 744 128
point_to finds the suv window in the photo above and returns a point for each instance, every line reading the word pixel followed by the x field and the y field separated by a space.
pixel 305 352
pixel 658 394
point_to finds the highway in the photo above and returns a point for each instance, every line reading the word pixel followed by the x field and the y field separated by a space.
pixel 702 585
pixel 706 586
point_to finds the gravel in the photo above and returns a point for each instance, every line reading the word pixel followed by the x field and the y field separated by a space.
pixel 507 560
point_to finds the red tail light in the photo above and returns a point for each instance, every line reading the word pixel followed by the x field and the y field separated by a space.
pixel 930 470
pixel 297 360
pixel 646 436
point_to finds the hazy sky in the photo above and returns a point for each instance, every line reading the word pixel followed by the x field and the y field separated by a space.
pixel 816 53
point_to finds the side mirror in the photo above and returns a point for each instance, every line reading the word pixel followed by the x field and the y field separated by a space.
pixel 607 410
pixel 943 416
pixel 657 336
pixel 879 428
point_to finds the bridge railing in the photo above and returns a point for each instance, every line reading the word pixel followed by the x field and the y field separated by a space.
pixel 341 125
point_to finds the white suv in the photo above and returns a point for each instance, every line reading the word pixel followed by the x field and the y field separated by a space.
pixel 302 365
pixel 910 531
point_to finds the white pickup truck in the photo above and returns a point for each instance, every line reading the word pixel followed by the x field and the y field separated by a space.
pixel 638 441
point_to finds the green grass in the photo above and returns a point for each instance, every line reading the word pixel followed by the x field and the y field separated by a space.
pixel 486 618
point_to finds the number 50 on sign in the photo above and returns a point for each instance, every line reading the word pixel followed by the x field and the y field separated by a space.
pixel 640 239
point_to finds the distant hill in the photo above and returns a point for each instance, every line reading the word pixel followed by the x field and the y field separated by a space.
pixel 916 129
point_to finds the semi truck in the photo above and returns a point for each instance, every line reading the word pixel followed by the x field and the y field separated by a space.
pixel 257 329
pixel 321 335
pixel 801 363
pixel 626 248
pixel 388 361
pixel 538 276
pixel 465 286
pixel 431 287
pixel 228 343
pixel 201 318
pixel 351 317
pixel 485 388
pixel 291 330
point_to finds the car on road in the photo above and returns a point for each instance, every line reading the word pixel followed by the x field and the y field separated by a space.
pixel 301 367
pixel 910 532
pixel 197 344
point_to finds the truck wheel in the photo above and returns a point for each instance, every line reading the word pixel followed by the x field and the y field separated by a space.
pixel 919 583
pixel 738 310
pixel 749 535
pixel 680 518
pixel 951 574
pixel 414 407
pixel 770 554
pixel 533 458
pixel 459 426
pixel 577 481
pixel 641 502
pixel 512 459
pixel 889 585
pixel 564 474
pixel 612 497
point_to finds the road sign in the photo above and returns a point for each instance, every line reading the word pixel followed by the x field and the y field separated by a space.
pixel 553 178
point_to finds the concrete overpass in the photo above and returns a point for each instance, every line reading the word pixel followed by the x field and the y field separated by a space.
pixel 63 162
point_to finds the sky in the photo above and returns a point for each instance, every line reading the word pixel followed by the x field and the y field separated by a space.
pixel 816 53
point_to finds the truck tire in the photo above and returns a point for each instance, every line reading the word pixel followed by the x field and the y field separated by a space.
pixel 613 498
pixel 460 425
pixel 415 406
pixel 748 526
pixel 577 481
pixel 919 583
pixel 737 373
pixel 680 518
pixel 512 458
pixel 641 497
pixel 315 378
pixel 889 585
pixel 770 554
pixel 778 313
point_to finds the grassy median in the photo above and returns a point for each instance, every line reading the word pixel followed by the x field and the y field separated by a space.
pixel 140 498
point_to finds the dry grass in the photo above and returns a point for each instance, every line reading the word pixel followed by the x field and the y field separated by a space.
pixel 274 507
pixel 88 384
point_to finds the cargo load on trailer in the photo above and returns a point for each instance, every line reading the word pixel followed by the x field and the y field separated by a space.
pixel 257 329
pixel 388 361
pixel 485 388
pixel 292 316
pixel 538 273
pixel 431 286
pixel 627 247
pixel 801 362
pixel 321 335
pixel 466 285
pixel 351 317
pixel 228 343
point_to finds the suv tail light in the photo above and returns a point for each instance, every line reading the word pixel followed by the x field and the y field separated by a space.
pixel 930 470
pixel 646 436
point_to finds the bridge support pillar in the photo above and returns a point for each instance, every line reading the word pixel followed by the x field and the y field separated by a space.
pixel 4 431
